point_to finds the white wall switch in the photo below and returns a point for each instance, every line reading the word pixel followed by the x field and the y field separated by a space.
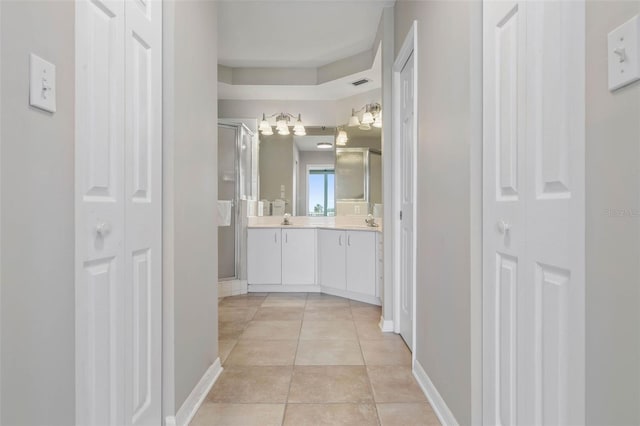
pixel 42 84
pixel 624 52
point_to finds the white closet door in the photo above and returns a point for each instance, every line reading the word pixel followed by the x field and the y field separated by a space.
pixel 407 198
pixel 553 347
pixel 100 263
pixel 118 212
pixel 143 211
pixel 533 236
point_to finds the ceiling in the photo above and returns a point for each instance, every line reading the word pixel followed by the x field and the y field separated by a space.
pixel 331 90
pixel 295 33
pixel 310 143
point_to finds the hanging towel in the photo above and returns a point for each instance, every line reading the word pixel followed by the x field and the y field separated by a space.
pixel 224 212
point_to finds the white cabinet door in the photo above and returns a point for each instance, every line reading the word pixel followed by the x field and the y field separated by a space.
pixel 332 259
pixel 298 256
pixel 361 262
pixel 264 256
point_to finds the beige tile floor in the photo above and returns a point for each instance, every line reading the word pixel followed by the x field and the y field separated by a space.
pixel 310 359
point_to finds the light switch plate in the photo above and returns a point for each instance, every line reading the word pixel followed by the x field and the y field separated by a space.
pixel 42 84
pixel 623 54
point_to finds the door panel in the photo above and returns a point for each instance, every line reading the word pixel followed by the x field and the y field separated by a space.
pixel 227 161
pixel 143 211
pixel 264 256
pixel 100 263
pixel 361 262
pixel 503 165
pixel 332 258
pixel 407 191
pixel 298 256
pixel 533 213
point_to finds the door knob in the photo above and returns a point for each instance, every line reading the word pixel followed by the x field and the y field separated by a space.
pixel 103 228
pixel 503 227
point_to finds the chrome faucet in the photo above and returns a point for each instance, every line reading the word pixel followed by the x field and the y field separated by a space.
pixel 371 221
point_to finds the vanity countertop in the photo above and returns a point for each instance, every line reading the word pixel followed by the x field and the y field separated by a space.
pixel 347 223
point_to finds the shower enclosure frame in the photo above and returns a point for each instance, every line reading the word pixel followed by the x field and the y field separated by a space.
pixel 241 129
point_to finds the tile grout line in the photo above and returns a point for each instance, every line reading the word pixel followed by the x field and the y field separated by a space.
pixel 366 370
pixel 295 355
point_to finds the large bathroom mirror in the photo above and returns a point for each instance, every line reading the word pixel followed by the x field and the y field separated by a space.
pixel 311 176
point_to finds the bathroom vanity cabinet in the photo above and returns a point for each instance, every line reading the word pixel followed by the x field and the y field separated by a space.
pixel 281 256
pixel 342 262
pixel 347 260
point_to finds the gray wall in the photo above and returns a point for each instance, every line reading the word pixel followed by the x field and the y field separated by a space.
pixel 38 333
pixel 446 117
pixel 309 158
pixel 276 167
pixel 613 247
pixel 190 132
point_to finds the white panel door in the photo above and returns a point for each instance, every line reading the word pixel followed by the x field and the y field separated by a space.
pixel 407 198
pixel 264 256
pixel 361 262
pixel 298 256
pixel 100 209
pixel 533 295
pixel 332 258
pixel 143 211
pixel 118 212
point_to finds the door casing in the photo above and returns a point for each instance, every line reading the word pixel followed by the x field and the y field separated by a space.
pixel 409 47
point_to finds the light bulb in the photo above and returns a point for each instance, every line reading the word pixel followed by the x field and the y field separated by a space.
pixel 299 127
pixel 284 131
pixel 342 138
pixel 268 131
pixel 264 124
pixel 367 118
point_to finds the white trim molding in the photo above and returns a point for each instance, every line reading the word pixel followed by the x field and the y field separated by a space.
pixel 409 48
pixel 386 326
pixel 440 407
pixel 193 402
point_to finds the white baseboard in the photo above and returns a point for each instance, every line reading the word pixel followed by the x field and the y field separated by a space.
pixel 196 397
pixel 386 325
pixel 228 288
pixel 437 403
pixel 364 298
pixel 279 288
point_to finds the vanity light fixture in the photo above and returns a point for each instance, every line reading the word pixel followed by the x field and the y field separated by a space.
pixel 372 115
pixel 324 145
pixel 282 124
pixel 342 138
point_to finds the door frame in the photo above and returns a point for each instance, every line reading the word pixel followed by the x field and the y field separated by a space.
pixel 0 213
pixel 409 47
